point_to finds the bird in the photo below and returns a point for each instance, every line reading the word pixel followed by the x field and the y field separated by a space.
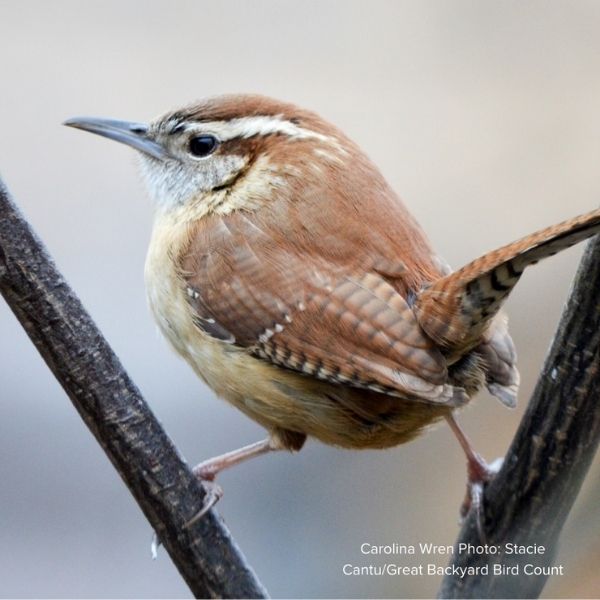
pixel 296 283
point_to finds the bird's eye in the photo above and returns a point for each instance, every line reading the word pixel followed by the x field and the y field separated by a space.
pixel 202 145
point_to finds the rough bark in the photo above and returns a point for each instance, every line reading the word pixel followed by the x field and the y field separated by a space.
pixel 115 412
pixel 528 501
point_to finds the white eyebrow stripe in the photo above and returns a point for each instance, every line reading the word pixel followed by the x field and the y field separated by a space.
pixel 246 127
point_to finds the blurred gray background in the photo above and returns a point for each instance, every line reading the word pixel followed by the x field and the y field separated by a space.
pixel 483 115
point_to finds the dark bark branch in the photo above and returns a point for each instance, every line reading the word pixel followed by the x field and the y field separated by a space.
pixel 115 412
pixel 530 498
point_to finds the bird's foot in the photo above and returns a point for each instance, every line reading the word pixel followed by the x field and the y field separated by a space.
pixel 206 471
pixel 213 492
pixel 479 473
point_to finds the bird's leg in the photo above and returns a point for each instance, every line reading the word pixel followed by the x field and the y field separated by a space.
pixel 207 471
pixel 478 474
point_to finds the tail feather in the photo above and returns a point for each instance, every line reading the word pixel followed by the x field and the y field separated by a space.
pixel 455 310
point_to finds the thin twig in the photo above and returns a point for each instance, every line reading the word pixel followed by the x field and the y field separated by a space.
pixel 117 415
pixel 528 501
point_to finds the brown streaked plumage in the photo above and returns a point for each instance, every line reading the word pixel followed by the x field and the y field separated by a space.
pixel 295 282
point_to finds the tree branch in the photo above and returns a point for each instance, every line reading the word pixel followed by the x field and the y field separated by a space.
pixel 115 412
pixel 529 500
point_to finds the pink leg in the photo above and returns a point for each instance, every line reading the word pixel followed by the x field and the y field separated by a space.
pixel 478 474
pixel 208 469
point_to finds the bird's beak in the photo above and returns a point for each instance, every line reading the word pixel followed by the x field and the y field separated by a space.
pixel 132 134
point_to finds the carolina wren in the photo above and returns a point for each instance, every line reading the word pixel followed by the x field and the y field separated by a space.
pixel 297 285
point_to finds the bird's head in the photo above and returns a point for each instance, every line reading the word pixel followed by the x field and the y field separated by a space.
pixel 202 152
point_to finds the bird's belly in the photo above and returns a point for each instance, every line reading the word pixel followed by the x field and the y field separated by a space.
pixel 280 399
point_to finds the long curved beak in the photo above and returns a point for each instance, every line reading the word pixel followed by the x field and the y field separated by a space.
pixel 126 132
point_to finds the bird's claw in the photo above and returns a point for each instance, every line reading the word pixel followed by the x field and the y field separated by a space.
pixel 213 492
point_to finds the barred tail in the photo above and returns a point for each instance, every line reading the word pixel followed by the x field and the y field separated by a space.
pixel 456 309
